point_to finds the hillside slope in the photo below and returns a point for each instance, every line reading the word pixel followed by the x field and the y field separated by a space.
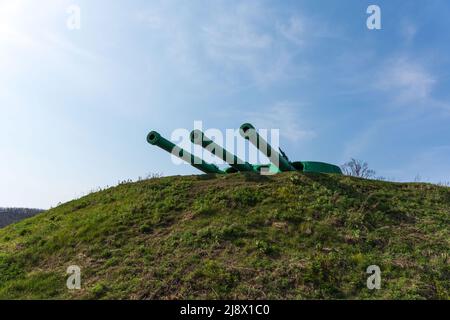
pixel 289 236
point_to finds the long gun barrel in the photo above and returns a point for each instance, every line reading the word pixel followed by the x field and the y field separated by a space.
pixel 248 132
pixel 156 139
pixel 199 138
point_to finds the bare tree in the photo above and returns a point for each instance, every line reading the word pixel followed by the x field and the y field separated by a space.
pixel 358 168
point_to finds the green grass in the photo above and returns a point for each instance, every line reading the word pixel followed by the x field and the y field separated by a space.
pixel 289 236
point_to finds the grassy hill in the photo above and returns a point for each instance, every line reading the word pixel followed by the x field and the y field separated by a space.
pixel 289 236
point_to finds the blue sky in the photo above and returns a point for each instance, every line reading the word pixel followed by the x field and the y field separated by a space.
pixel 76 105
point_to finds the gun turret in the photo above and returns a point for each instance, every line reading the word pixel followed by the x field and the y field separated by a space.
pixel 279 162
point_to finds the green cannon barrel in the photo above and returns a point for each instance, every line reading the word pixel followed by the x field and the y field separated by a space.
pixel 199 138
pixel 156 139
pixel 248 132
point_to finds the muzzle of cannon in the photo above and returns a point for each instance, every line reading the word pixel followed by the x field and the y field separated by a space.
pixel 156 139
pixel 249 133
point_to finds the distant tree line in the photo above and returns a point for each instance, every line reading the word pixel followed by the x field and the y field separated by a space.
pixel 12 215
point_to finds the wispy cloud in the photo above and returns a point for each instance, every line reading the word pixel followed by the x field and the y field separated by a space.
pixel 406 86
pixel 22 42
pixel 409 28
pixel 408 31
pixel 293 30
pixel 284 116
pixel 406 80
pixel 246 44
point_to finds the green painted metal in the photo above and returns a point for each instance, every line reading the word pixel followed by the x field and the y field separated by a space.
pixel 198 137
pixel 156 139
pixel 266 168
pixel 248 132
pixel 314 166
pixel 279 162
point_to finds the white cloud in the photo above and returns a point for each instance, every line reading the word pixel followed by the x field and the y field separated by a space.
pixel 151 19
pixel 239 45
pixel 284 116
pixel 33 31
pixel 293 30
pixel 408 81
pixel 408 30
